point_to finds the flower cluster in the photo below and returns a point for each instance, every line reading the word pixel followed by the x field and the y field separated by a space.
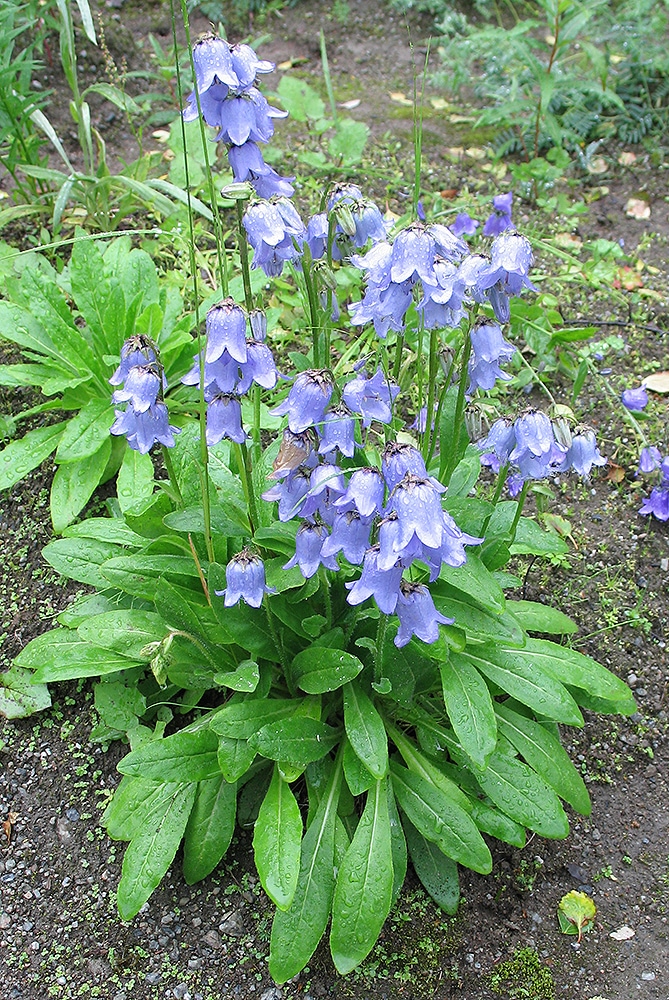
pixel 657 503
pixel 356 221
pixel 434 259
pixel 232 364
pixel 145 419
pixel 383 519
pixel 532 447
pixel 224 88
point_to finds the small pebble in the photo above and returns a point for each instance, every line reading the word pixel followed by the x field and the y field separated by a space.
pixel 648 976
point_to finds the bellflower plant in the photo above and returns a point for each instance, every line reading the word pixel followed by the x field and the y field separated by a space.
pixel 318 592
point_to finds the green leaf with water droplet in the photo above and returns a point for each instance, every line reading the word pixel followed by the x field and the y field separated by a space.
pixel 297 930
pixel 440 820
pixel 152 850
pixel 576 913
pixel 74 483
pixel 365 730
pixel 125 631
pixel 210 827
pixel 185 756
pixel 469 707
pixel 277 842
pixel 18 458
pixel 19 696
pixel 318 669
pixel 363 893
pixel 519 792
pixel 297 741
pixel 438 873
pixel 86 431
pixel 134 485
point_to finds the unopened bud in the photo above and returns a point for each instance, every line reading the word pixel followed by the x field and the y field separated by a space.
pixel 474 423
pixel 562 432
pixel 446 359
pixel 344 217
pixel 258 321
pixel 161 661
pixel 327 275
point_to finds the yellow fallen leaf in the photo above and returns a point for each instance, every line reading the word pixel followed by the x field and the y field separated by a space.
pixel 476 153
pixel 627 158
pixel 657 382
pixel 399 98
pixel 457 119
pixel 161 134
pixel 637 208
pixel 456 151
pixel 439 103
pixel 567 241
pixel 290 63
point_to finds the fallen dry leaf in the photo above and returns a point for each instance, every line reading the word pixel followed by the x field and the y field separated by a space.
pixel 616 473
pixel 626 159
pixel 658 382
pixel 449 193
pixel 8 824
pixel 349 105
pixel 628 278
pixel 399 98
pixel 623 933
pixel 476 153
pixel 637 208
pixel 597 165
pixel 567 241
pixel 296 61
pixel 439 103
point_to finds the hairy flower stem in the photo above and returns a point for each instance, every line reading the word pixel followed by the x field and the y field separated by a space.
pixel 418 129
pixel 380 643
pixel 174 483
pixel 202 405
pixel 327 598
pixel 271 624
pixel 244 463
pixel 213 198
pixel 499 486
pixel 399 350
pixel 450 457
pixel 433 365
pixel 243 245
pixel 320 359
pixel 520 503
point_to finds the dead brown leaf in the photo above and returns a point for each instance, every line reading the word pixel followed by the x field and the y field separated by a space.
pixel 637 208
pixel 616 473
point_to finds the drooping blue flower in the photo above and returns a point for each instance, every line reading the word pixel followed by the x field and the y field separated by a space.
pixel 308 556
pixel 259 367
pixel 382 585
pixel 419 512
pixel 500 218
pixel 498 444
pixel 258 323
pixel 350 535
pixel 137 350
pixel 635 400
pixel 650 459
pixel 144 429
pixel 365 493
pixel 307 400
pixel 226 331
pixel 358 218
pixel 507 273
pixel 248 165
pixel 371 397
pixel 657 503
pixel 245 579
pixel 326 485
pixel 290 493
pixel 337 431
pixel 417 614
pixel 489 349
pixel 463 225
pixel 275 232
pixel 390 548
pixel 399 458
pixel 583 454
pixel 224 419
pixel 141 387
pixel 441 305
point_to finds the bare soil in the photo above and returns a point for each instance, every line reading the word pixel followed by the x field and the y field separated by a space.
pixel 60 935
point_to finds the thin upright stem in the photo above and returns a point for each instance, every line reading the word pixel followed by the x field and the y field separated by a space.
pixel 433 364
pixel 244 463
pixel 380 643
pixel 174 482
pixel 242 243
pixel 449 458
pixel 520 503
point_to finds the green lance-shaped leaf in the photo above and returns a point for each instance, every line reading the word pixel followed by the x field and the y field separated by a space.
pixel 364 889
pixel 62 655
pixel 80 559
pixel 440 820
pixel 126 631
pixel 18 458
pixel 186 756
pixel 519 792
pixel 318 669
pixel 497 824
pixel 437 872
pixel 277 842
pixel 241 719
pixel 398 846
pixel 469 707
pixel 296 741
pixel 86 431
pixel 297 930
pixel 19 696
pixel 133 805
pixel 571 667
pixel 365 730
pixel 210 827
pixel 547 756
pixel 535 617
pixel 525 678
pixel 234 758
pixel 151 851
pixel 74 484
pixel 134 484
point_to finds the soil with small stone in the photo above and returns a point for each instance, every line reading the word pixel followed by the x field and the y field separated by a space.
pixel 60 935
